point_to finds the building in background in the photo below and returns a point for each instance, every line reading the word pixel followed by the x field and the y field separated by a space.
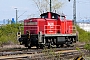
pixel 21 22
pixel 84 24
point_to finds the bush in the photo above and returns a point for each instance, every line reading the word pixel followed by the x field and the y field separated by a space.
pixel 83 35
pixel 8 33
pixel 87 46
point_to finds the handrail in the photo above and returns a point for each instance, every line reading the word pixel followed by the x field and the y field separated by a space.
pixel 54 27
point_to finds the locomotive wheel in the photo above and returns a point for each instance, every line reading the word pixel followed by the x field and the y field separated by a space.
pixel 49 45
pixel 61 45
pixel 57 45
pixel 26 45
pixel 42 46
pixel 29 47
pixel 68 44
pixel 37 46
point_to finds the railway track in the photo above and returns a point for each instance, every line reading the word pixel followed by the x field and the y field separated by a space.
pixel 37 55
pixel 13 51
pixel 33 54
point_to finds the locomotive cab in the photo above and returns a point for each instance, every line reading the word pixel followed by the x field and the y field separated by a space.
pixel 50 15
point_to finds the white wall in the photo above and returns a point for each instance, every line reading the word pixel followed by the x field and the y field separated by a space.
pixel 85 26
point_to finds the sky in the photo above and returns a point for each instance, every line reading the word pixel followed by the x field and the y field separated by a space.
pixel 27 8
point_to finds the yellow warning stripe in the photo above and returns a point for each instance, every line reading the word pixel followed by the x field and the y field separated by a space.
pixel 79 58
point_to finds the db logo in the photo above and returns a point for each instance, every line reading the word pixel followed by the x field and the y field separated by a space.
pixel 51 24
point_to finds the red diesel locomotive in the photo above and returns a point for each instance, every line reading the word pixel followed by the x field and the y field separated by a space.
pixel 51 29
